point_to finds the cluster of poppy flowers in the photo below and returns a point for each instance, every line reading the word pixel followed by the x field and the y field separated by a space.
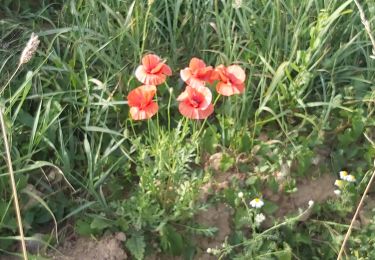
pixel 196 99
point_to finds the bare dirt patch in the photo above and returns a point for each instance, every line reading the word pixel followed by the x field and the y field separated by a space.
pixel 109 247
pixel 318 190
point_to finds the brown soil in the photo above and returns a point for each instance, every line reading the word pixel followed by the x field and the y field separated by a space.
pixel 107 248
pixel 318 190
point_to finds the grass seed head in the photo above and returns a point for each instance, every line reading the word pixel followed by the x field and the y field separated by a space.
pixel 30 49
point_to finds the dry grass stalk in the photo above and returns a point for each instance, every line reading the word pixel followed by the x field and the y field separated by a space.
pixel 27 53
pixel 366 24
pixel 13 183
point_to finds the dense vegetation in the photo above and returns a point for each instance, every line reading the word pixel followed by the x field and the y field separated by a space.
pixel 80 160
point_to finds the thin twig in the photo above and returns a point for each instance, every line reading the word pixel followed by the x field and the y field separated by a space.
pixel 355 215
pixel 13 183
pixel 366 24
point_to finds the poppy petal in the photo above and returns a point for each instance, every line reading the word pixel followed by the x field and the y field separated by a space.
pixel 183 96
pixel 150 61
pixel 236 74
pixel 141 114
pixel 228 89
pixel 195 83
pixel 203 114
pixel 214 76
pixel 206 92
pixel 187 110
pixel 151 109
pixel 157 68
pixel 195 113
pixel 141 96
pixel 185 74
pixel 221 73
pixel 155 79
pixel 196 64
pixel 166 70
pixel 141 74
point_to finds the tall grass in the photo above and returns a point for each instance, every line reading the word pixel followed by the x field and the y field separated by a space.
pixel 304 60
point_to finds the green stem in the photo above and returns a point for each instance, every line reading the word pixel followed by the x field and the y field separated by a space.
pixel 169 106
pixel 10 79
pixel 144 36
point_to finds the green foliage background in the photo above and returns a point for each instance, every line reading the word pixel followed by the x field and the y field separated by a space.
pixel 310 85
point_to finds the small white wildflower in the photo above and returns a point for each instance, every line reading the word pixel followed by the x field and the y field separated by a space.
pixel 240 195
pixel 259 218
pixel 311 203
pixel 223 245
pixel 339 183
pixel 215 251
pixel 337 192
pixel 343 175
pixel 350 178
pixel 209 250
pixel 257 203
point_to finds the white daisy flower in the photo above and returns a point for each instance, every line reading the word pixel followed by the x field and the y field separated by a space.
pixel 240 195
pixel 257 203
pixel 337 192
pixel 339 183
pixel 259 218
pixel 350 178
pixel 343 175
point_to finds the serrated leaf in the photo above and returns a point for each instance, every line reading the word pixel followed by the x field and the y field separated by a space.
pixel 136 245
pixel 171 240
pixel 99 224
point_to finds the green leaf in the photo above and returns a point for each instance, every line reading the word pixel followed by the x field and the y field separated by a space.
pixel 83 227
pixel 285 254
pixel 100 224
pixel 209 140
pixel 245 144
pixel 171 240
pixel 136 245
pixel 226 162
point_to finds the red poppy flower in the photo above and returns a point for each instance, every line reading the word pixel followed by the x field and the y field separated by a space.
pixel 195 103
pixel 197 73
pixel 231 78
pixel 153 70
pixel 141 104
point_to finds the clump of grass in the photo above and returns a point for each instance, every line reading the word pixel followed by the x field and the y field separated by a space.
pixel 309 88
pixel 27 53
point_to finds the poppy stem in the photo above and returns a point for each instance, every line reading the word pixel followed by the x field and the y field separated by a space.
pixel 170 90
pixel 222 123
pixel 157 113
pixel 132 126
